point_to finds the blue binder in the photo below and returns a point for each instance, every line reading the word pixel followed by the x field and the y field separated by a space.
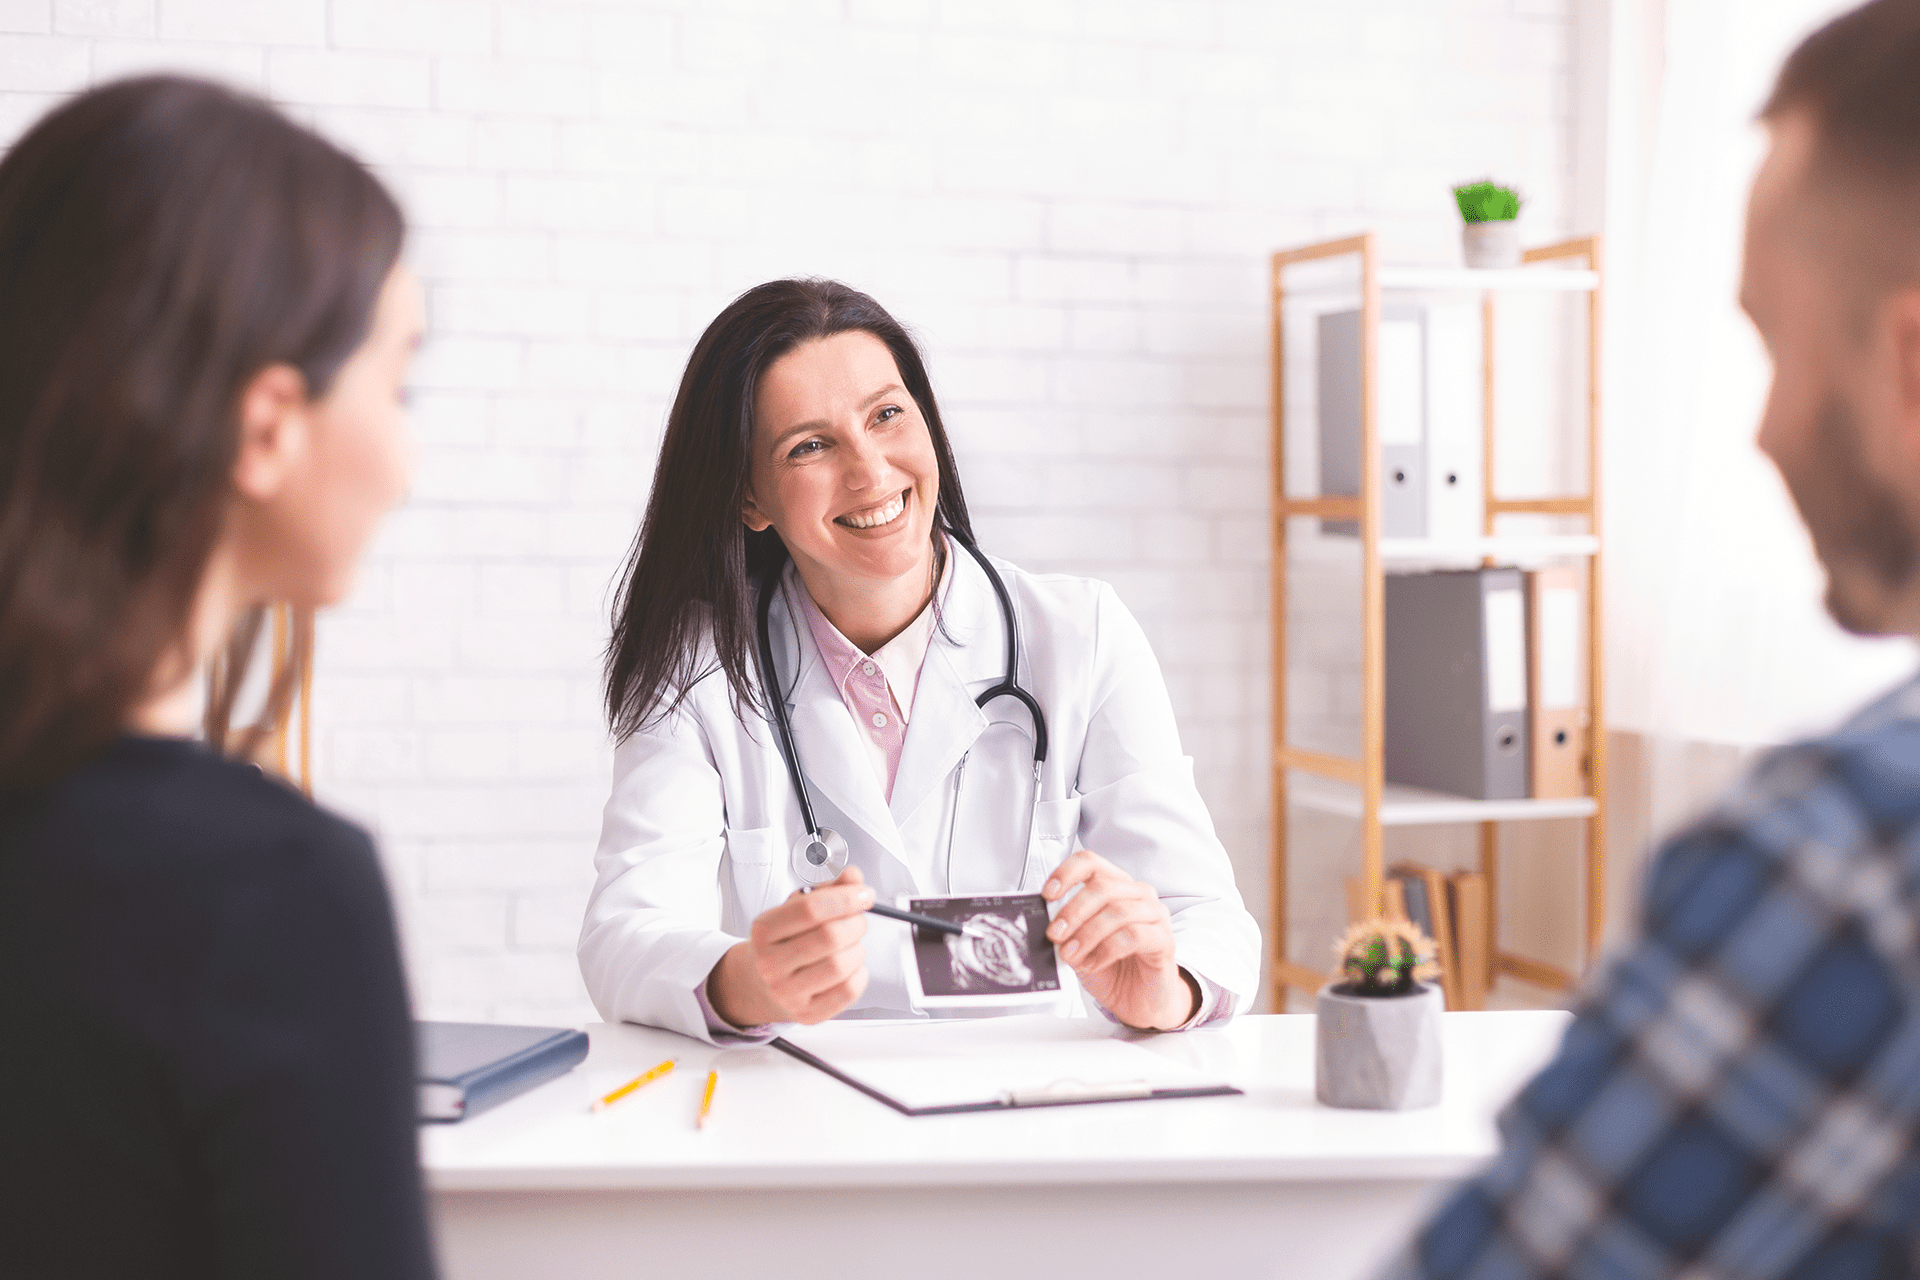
pixel 467 1067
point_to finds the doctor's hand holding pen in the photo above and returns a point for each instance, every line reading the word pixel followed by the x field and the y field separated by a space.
pixel 1118 937
pixel 803 960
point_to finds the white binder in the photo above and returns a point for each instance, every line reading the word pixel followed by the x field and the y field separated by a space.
pixel 1429 417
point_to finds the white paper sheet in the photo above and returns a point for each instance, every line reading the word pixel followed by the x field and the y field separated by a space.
pixel 958 1063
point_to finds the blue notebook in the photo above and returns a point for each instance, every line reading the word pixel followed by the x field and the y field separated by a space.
pixel 466 1067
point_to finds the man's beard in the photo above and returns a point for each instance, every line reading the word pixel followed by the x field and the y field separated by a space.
pixel 1860 528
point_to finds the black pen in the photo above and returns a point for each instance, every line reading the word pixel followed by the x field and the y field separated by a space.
pixel 915 918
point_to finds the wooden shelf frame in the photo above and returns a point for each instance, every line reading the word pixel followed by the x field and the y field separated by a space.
pixel 1368 771
pixel 292 643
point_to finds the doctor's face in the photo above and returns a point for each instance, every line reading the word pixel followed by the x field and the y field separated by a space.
pixel 843 465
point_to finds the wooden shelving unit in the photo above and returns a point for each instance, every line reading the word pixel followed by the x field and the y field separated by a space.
pixel 1356 787
pixel 292 641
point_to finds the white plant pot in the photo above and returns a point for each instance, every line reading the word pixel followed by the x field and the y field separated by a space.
pixel 1491 244
pixel 1378 1053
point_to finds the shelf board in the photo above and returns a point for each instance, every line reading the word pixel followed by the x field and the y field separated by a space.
pixel 1500 549
pixel 1473 280
pixel 1412 807
pixel 1541 279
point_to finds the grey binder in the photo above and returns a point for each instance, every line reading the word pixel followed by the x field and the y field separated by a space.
pixel 1457 683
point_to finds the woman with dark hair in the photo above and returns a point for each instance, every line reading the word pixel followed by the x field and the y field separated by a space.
pixel 825 695
pixel 207 1063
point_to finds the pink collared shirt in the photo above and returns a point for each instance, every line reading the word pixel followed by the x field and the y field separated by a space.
pixel 878 688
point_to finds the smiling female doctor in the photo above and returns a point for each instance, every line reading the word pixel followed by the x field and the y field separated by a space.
pixel 806 510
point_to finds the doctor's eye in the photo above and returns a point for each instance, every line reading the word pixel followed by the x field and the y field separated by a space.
pixel 889 413
pixel 806 447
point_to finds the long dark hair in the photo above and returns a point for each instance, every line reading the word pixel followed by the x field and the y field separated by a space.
pixel 162 240
pixel 694 564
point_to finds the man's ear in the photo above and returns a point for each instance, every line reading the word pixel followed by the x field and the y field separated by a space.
pixel 273 431
pixel 751 516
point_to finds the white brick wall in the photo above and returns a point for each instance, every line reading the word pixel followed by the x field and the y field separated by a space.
pixel 1071 201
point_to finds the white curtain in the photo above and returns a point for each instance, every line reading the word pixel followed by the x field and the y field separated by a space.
pixel 1718 642
pixel 1715 624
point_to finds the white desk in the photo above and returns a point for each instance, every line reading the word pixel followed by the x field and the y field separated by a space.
pixel 798 1175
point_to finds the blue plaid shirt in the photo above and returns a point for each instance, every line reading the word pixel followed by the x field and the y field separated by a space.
pixel 1739 1095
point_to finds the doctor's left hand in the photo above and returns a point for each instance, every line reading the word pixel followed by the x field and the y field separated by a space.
pixel 1118 937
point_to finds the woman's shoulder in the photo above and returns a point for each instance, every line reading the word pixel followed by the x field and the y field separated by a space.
pixel 177 815
pixel 1081 621
pixel 1063 598
pixel 689 707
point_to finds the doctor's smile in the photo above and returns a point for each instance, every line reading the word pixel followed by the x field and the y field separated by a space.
pixel 876 517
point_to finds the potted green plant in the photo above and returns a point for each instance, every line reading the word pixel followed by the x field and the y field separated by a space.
pixel 1490 237
pixel 1377 1038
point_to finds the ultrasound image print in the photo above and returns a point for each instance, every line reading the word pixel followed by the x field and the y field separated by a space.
pixel 991 953
pixel 1004 952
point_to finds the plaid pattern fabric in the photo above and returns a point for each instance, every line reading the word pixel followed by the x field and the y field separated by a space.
pixel 1739 1095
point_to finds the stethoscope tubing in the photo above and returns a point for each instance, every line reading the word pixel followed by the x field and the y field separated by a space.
pixel 1009 687
pixel 777 703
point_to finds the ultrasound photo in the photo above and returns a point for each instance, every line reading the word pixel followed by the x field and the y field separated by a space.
pixel 1004 956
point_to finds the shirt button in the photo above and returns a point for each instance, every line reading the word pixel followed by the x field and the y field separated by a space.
pixel 879 720
pixel 867 667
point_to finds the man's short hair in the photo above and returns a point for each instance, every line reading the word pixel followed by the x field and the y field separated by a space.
pixel 1858 79
pixel 1857 82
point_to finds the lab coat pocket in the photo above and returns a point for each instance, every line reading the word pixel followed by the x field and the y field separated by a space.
pixel 1056 826
pixel 747 885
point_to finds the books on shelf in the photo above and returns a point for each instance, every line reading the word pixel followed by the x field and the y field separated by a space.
pixel 1473 944
pixel 1453 909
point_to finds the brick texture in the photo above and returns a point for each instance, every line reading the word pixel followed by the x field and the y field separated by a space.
pixel 1070 201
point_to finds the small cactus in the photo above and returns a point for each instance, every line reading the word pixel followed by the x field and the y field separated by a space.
pixel 1382 957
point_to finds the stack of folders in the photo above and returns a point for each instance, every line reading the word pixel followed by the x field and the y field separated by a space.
pixel 1452 909
pixel 1484 692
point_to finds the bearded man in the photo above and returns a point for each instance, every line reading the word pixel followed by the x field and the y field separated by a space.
pixel 1739 1095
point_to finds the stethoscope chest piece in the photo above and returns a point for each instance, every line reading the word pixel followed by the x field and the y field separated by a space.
pixel 819 856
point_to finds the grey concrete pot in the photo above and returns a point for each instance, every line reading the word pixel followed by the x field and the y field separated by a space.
pixel 1491 244
pixel 1378 1053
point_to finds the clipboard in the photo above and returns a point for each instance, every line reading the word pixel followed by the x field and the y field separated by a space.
pixel 997 1064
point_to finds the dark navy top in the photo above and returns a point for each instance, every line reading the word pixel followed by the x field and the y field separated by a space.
pixel 206 1059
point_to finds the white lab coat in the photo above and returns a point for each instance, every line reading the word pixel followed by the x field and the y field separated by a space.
pixel 698 833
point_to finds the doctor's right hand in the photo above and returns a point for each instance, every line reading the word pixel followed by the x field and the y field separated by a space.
pixel 804 961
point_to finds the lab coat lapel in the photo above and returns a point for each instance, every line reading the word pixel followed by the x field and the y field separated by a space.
pixel 834 758
pixel 968 653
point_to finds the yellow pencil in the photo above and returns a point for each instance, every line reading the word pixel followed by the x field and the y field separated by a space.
pixel 706 1101
pixel 644 1078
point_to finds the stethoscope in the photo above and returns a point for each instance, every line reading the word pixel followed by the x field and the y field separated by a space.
pixel 821 854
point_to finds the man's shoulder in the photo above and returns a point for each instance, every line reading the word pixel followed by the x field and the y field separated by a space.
pixel 1859 782
pixel 1827 822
